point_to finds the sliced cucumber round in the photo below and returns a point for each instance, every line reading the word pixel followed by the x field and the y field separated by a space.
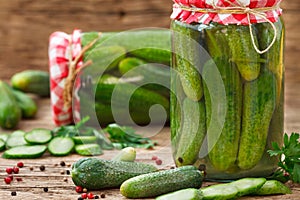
pixel 2 145
pixel 85 139
pixel 247 186
pixel 4 136
pixel 61 146
pixel 184 194
pixel 38 136
pixel 22 152
pixel 88 149
pixel 220 191
pixel 16 139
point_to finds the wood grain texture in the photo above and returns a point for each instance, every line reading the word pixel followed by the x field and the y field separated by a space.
pixel 27 24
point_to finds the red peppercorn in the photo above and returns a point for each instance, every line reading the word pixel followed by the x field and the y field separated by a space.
pixel 7 180
pixel 9 170
pixel 16 170
pixel 11 177
pixel 20 164
pixel 84 195
pixel 154 158
pixel 158 161
pixel 78 189
pixel 90 195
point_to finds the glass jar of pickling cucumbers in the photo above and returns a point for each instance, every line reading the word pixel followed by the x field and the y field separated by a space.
pixel 227 101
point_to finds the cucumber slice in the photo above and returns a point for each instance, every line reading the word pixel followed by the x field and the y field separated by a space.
pixel 85 139
pixel 4 137
pixel 16 139
pixel 127 154
pixel 185 194
pixel 2 145
pixel 88 149
pixel 220 191
pixel 247 186
pixel 61 146
pixel 22 152
pixel 273 187
pixel 38 136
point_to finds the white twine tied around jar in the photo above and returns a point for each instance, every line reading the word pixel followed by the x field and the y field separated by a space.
pixel 240 9
pixel 70 80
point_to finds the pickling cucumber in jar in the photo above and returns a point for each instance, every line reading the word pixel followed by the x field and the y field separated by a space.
pixel 239 87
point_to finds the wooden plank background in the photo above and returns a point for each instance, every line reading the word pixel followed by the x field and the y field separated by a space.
pixel 27 24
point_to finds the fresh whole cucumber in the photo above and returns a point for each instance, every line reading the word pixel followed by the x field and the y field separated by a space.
pixel 192 132
pixel 10 112
pixel 28 106
pixel 32 81
pixel 162 182
pixel 95 173
pixel 243 52
pixel 187 63
pixel 259 101
pixel 224 148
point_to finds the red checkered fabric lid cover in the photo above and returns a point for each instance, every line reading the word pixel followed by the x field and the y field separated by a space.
pixel 226 11
pixel 62 48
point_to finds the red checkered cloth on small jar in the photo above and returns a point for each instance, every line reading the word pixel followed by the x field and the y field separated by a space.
pixel 62 46
pixel 186 11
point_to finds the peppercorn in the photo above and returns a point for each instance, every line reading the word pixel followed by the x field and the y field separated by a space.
pixel 158 161
pixel 96 197
pixel 9 170
pixel 102 195
pixel 20 164
pixel 68 172
pixel 42 167
pixel 80 198
pixel 65 179
pixel 31 168
pixel 13 193
pixel 62 163
pixel 7 180
pixel 62 172
pixel 19 179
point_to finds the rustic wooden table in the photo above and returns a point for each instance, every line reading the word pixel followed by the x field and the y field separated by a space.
pixel 60 186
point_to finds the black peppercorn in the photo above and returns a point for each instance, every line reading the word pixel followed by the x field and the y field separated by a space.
pixel 45 189
pixel 42 167
pixel 13 193
pixel 68 172
pixel 62 163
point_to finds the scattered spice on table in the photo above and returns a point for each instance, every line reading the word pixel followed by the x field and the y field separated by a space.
pixel 19 179
pixel 102 195
pixel 45 189
pixel 16 170
pixel 68 172
pixel 20 164
pixel 13 193
pixel 62 163
pixel 42 167
pixel 62 172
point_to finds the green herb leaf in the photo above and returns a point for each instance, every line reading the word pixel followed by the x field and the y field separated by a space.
pixel 124 136
pixel 290 152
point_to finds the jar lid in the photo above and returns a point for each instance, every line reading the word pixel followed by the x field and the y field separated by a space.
pixel 241 12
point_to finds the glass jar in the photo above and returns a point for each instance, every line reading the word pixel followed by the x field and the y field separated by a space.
pixel 227 105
